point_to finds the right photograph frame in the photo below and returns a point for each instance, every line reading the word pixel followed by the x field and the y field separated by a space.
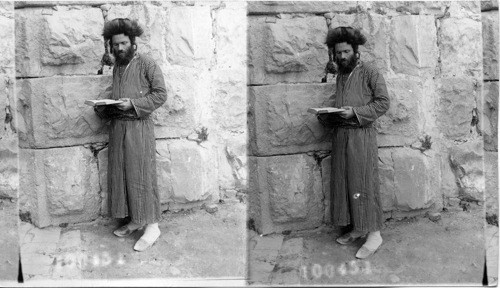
pixel 372 147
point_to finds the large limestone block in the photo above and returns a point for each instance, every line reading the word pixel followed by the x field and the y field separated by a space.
pixel 401 124
pixel 186 105
pixel 285 193
pixel 192 174
pixel 491 178
pixel 59 185
pixel 7 34
pixel 489 120
pixel 231 36
pixel 413 46
pixel 460 43
pixel 287 49
pixel 376 30
pixel 65 40
pixel 52 111
pixel 152 19
pixel 279 122
pixel 229 100
pixel 386 177
pixel 9 173
pixel 467 161
pixel 490 44
pixel 233 166
pixel 416 180
pixel 396 8
pixel 189 36
pixel 311 7
pixel 326 175
pixel 455 106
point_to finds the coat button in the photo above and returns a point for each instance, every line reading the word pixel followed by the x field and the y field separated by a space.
pixel 356 196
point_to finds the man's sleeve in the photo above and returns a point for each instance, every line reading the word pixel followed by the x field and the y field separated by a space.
pixel 380 99
pixel 157 94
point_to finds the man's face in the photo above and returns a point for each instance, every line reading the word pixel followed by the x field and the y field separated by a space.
pixel 344 57
pixel 122 48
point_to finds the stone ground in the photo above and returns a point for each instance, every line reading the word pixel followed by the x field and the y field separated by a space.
pixel 9 257
pixel 415 251
pixel 195 247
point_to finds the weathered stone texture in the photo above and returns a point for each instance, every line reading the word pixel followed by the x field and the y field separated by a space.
pixel 467 161
pixel 413 45
pixel 102 164
pixel 396 8
pixel 59 185
pixel 312 7
pixel 9 177
pixel 227 108
pixel 326 173
pixel 490 44
pixel 487 5
pixel 491 179
pixel 401 124
pixel 7 34
pixel 289 191
pixel 489 120
pixel 279 122
pixel 290 49
pixel 53 113
pixel 233 166
pixel 460 43
pixel 415 181
pixel 62 41
pixel 456 102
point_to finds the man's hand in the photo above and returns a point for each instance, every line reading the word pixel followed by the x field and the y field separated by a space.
pixel 124 106
pixel 348 113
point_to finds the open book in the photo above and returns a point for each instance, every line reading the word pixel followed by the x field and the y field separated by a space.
pixel 100 102
pixel 324 110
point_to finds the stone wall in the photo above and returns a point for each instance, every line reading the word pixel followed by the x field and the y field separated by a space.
pixel 9 178
pixel 489 15
pixel 431 55
pixel 200 131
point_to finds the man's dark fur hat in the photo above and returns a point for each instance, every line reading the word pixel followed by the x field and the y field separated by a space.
pixel 122 26
pixel 344 34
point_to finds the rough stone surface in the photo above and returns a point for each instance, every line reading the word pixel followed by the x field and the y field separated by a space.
pixel 491 182
pixel 287 49
pixel 456 102
pixel 288 190
pixel 413 47
pixel 326 170
pixel 52 111
pixel 490 44
pixel 487 5
pixel 102 164
pixel 9 177
pixel 279 122
pixel 54 193
pixel 401 124
pixel 467 161
pixel 396 8
pixel 233 166
pixel 62 41
pixel 414 185
pixel 489 125
pixel 312 7
pixel 455 36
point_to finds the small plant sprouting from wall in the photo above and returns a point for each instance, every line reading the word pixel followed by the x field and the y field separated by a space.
pixel 426 143
pixel 202 134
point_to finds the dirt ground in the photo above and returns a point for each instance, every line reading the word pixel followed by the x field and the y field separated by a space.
pixel 415 251
pixel 193 244
pixel 9 256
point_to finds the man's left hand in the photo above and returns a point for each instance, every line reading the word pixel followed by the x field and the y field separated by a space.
pixel 125 105
pixel 348 113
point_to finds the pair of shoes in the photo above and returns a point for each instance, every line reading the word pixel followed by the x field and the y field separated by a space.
pixel 348 238
pixel 125 230
pixel 364 252
pixel 147 240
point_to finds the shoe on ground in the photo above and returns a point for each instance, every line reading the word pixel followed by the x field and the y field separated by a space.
pixel 125 230
pixel 348 238
pixel 147 240
pixel 364 252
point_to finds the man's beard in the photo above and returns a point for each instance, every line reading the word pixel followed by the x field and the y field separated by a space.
pixel 124 57
pixel 347 65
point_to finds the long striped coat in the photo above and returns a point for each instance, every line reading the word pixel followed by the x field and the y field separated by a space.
pixel 355 184
pixel 132 179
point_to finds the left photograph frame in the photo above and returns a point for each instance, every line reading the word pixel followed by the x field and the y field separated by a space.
pixel 190 152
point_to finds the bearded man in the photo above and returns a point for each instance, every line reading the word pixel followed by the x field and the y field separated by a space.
pixel 362 92
pixel 132 180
